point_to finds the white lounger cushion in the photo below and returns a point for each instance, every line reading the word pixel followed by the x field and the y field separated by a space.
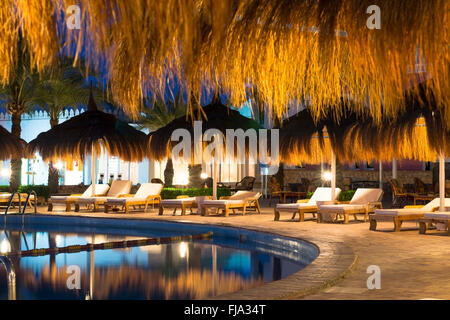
pixel 398 212
pixel 5 195
pixel 430 206
pixel 178 201
pixel 437 215
pixel 324 194
pixel 364 196
pixel 118 188
pixel 241 195
pixel 296 206
pixel 359 201
pixel 321 194
pixel 340 208
pixel 100 190
pixel 223 202
pixel 237 199
pixel 145 190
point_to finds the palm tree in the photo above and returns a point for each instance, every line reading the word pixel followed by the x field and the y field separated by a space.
pixel 160 114
pixel 61 88
pixel 19 96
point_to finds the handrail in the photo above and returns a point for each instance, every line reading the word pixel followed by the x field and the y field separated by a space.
pixel 26 203
pixel 10 202
pixel 11 274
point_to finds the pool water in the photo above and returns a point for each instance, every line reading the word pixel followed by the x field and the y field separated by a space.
pixel 182 270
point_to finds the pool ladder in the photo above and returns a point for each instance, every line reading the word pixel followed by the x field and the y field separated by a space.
pixel 27 201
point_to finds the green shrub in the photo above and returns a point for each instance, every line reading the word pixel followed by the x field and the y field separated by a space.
pixel 172 193
pixel 4 188
pixel 346 195
pixel 41 191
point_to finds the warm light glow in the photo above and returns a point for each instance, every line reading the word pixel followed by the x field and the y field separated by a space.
pixel 58 165
pixel 327 176
pixel 204 175
pixel 183 249
pixel 4 172
pixel 5 246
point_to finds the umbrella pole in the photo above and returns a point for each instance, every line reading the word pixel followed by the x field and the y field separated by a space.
pixel 394 168
pixel 214 180
pixel 333 175
pixel 442 182
pixel 381 175
pixel 93 170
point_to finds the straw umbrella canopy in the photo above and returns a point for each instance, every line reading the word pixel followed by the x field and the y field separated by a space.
pixel 88 134
pixel 214 116
pixel 304 140
pixel 10 146
pixel 419 133
pixel 234 42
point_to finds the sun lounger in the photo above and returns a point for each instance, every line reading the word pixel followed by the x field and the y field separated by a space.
pixel 441 219
pixel 100 190
pixel 241 200
pixel 119 188
pixel 363 201
pixel 306 206
pixel 5 198
pixel 148 194
pixel 183 203
pixel 408 213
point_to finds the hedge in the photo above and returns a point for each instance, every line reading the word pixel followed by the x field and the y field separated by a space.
pixel 346 195
pixel 166 193
pixel 172 193
pixel 41 190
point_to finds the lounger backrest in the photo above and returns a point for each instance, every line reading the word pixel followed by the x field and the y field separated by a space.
pixel 364 196
pixel 100 190
pixel 323 194
pixel 148 189
pixel 119 187
pixel 434 204
pixel 241 195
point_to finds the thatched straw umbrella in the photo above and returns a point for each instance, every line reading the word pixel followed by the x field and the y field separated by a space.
pixel 304 140
pixel 90 133
pixel 10 146
pixel 234 42
pixel 419 133
pixel 215 116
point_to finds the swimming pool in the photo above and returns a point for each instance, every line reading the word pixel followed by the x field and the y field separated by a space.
pixel 232 260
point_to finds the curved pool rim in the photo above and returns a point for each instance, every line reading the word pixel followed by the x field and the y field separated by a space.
pixel 312 278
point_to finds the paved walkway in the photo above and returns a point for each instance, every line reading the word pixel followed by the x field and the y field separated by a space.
pixel 413 266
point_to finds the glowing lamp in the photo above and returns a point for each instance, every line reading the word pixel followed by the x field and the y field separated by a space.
pixel 327 176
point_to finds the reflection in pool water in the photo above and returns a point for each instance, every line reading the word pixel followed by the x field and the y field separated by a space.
pixel 186 270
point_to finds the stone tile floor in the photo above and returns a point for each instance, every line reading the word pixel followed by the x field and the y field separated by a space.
pixel 413 266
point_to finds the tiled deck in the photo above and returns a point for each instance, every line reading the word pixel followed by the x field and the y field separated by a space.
pixel 413 266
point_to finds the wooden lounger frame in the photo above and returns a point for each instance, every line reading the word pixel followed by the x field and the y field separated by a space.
pixel 301 211
pixel 251 202
pixel 425 223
